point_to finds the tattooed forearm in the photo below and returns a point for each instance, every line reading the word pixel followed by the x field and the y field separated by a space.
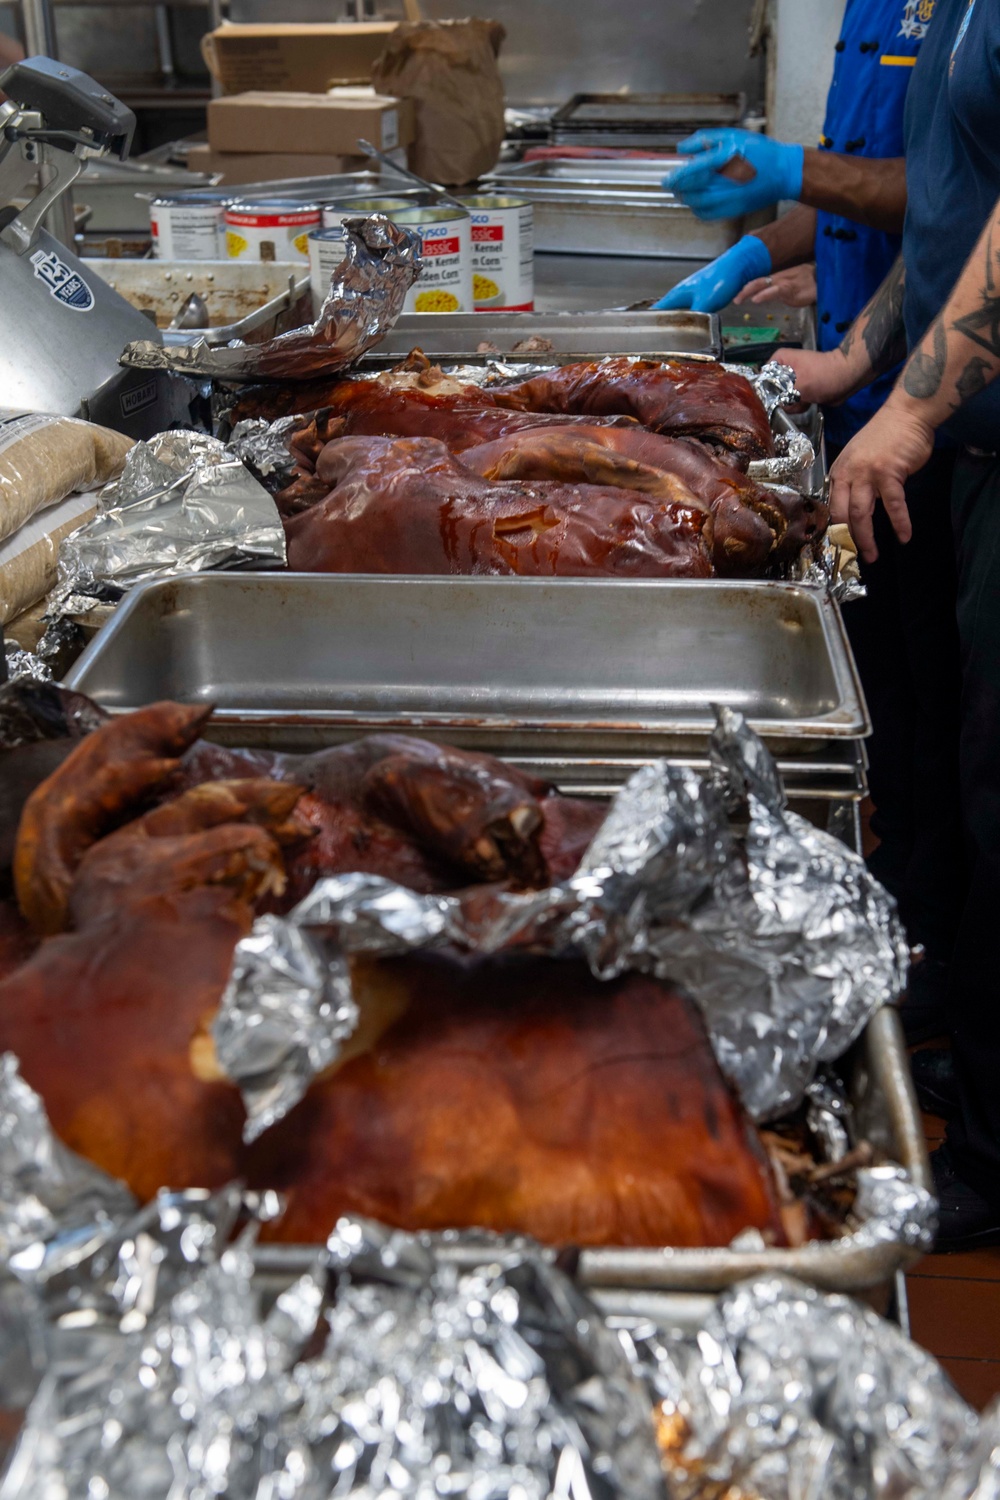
pixel 884 333
pixel 879 326
pixel 925 371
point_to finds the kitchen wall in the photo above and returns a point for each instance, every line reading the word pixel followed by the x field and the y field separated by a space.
pixel 554 48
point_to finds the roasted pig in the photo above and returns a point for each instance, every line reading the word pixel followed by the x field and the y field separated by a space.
pixel 685 398
pixel 516 1094
pixel 410 506
pixel 427 816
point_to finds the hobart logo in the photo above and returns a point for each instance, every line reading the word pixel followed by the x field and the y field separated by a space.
pixel 65 284
pixel 138 397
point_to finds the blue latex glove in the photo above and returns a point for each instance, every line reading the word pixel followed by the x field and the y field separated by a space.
pixel 700 184
pixel 716 284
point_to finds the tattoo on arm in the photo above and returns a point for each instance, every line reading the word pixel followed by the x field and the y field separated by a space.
pixel 924 373
pixel 880 324
pixel 982 325
pixel 972 379
pixel 884 333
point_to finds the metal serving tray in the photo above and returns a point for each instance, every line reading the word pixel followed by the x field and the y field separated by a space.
pixel 885 1113
pixel 613 208
pixel 574 336
pixel 249 300
pixel 534 666
pixel 641 120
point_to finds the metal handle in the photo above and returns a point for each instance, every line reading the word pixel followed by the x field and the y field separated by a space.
pixel 430 187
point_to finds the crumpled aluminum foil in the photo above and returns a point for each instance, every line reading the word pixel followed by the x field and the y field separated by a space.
pixel 790 1394
pixel 154 1373
pixel 773 382
pixel 263 446
pixel 182 504
pixel 826 572
pixel 492 1383
pixel 793 460
pixel 25 664
pixel 366 297
pixel 775 928
pixel 55 1207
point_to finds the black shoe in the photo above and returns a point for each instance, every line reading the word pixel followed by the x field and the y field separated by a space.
pixel 923 1010
pixel 934 1079
pixel 965 1221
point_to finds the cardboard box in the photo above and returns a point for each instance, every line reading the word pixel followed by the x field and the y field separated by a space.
pixel 285 56
pixel 263 166
pixel 314 124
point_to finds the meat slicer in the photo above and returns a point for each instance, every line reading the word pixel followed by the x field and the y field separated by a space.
pixel 62 328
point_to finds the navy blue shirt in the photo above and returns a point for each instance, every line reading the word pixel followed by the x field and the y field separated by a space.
pixel 953 178
pixel 879 41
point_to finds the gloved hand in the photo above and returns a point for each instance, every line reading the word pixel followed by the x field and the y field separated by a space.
pixel 716 284
pixel 777 173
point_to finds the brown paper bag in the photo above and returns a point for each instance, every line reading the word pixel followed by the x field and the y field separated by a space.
pixel 449 69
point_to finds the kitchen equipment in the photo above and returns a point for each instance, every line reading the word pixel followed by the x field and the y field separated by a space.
pixel 119 192
pixel 614 208
pixel 523 665
pixel 649 122
pixel 250 300
pixel 590 335
pixel 63 327
pixel 437 192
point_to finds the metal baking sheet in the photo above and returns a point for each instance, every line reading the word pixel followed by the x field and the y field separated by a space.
pixel 525 664
pixel 638 120
pixel 589 335
pixel 886 1113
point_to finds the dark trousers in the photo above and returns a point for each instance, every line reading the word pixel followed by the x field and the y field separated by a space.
pixel 927 642
pixel 905 641
pixel 974 1137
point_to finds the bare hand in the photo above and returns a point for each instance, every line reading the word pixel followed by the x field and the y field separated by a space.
pixel 876 465
pixel 824 378
pixel 795 287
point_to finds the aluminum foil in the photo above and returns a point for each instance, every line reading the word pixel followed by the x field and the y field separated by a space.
pixel 773 382
pixel 793 460
pixel 366 297
pixel 263 446
pixel 775 928
pixel 790 1394
pixel 55 1207
pixel 154 1372
pixel 25 664
pixel 492 1383
pixel 182 504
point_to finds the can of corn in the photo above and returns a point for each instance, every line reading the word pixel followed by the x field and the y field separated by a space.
pixel 334 214
pixel 445 281
pixel 275 229
pixel 503 253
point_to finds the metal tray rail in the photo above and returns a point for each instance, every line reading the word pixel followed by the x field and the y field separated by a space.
pixel 886 1113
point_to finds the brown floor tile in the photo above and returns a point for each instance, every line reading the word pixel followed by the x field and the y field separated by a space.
pixel 974 1265
pixel 978 1380
pixel 955 1319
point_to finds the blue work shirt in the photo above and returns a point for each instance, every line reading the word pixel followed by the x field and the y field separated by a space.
pixel 878 46
pixel 953 179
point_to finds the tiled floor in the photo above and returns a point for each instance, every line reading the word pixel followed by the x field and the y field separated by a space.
pixel 955 1310
pixel 955 1299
